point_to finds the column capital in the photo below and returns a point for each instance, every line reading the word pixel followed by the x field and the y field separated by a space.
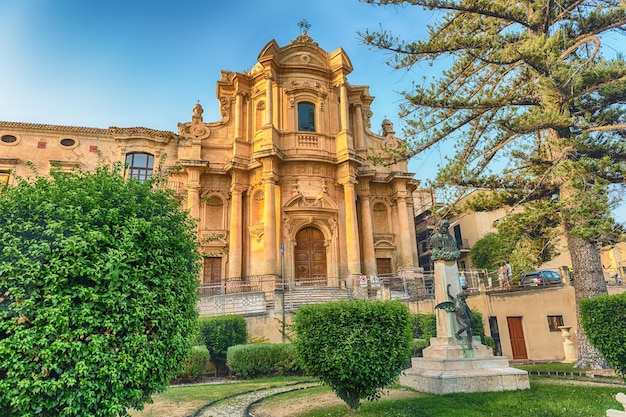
pixel 238 188
pixel 348 181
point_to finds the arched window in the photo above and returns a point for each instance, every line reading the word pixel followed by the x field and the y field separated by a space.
pixel 139 166
pixel 306 117
pixel 259 115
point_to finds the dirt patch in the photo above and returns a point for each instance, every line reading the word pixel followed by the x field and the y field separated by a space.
pixel 289 407
pixel 162 408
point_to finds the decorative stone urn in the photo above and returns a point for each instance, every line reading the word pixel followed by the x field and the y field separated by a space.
pixel 568 346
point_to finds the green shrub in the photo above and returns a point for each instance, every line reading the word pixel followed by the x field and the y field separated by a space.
pixel 602 319
pixel 418 346
pixel 356 347
pixel 478 329
pixel 197 364
pixel 424 326
pixel 221 332
pixel 98 293
pixel 262 359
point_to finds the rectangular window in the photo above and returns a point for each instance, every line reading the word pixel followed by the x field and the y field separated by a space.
pixel 306 117
pixel 554 322
pixel 4 179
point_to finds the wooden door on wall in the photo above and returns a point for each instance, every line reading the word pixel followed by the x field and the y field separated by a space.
pixel 383 266
pixel 310 257
pixel 212 271
pixel 516 334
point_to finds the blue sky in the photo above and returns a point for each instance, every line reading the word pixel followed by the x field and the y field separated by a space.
pixel 146 63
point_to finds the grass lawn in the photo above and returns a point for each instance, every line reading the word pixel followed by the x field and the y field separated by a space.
pixel 545 398
pixel 548 396
pixel 179 401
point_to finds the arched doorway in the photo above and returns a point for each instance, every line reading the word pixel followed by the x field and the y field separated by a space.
pixel 310 257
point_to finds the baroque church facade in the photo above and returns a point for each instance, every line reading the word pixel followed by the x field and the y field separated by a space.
pixel 281 185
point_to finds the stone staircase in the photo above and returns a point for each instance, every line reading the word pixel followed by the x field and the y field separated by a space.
pixel 299 296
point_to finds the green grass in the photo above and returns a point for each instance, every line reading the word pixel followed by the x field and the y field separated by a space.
pixel 543 399
pixel 550 367
pixel 548 396
pixel 184 400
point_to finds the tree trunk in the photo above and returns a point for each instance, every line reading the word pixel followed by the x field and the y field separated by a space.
pixel 588 282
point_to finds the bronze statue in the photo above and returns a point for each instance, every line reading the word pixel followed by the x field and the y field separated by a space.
pixel 464 316
pixel 443 245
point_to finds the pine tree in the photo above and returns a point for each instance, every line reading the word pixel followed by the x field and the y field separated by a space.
pixel 535 103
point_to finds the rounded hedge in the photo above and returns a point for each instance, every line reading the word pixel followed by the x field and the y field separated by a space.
pixel 356 347
pixel 98 292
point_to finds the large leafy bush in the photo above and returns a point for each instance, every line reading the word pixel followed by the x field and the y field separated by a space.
pixel 221 332
pixel 98 291
pixel 356 347
pixel 603 320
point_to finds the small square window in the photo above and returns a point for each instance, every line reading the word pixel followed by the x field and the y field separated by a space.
pixel 554 322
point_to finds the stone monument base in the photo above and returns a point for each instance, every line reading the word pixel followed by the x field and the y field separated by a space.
pixel 447 367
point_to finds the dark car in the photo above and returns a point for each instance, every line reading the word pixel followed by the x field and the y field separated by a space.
pixel 541 277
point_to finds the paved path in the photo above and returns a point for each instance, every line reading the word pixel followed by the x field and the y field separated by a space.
pixel 236 406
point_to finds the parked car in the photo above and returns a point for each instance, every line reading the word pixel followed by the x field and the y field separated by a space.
pixel 541 277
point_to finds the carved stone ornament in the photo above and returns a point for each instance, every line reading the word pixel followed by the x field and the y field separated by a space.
pixel 391 143
pixel 257 231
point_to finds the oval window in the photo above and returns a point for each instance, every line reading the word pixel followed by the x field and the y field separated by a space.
pixel 68 142
pixel 8 138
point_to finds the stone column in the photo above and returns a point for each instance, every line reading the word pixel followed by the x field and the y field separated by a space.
pixel 406 257
pixel 269 101
pixel 369 253
pixel 358 135
pixel 343 98
pixel 238 114
pixel 352 231
pixel 193 190
pixel 269 222
pixel 235 234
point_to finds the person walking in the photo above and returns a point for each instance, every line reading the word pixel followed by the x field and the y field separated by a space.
pixel 501 274
pixel 509 273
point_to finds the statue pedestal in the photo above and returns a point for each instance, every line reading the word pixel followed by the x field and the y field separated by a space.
pixel 449 367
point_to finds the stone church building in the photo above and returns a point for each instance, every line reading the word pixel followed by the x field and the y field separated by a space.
pixel 281 184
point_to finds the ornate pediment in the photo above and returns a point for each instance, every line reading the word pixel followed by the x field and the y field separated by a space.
pixel 320 202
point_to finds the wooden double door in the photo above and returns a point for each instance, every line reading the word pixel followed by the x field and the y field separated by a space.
pixel 310 257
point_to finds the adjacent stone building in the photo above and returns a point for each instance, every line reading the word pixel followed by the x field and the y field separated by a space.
pixel 283 180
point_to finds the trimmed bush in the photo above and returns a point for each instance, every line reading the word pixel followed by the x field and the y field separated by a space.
pixel 602 319
pixel 197 365
pixel 221 332
pixel 356 347
pixel 98 293
pixel 262 359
